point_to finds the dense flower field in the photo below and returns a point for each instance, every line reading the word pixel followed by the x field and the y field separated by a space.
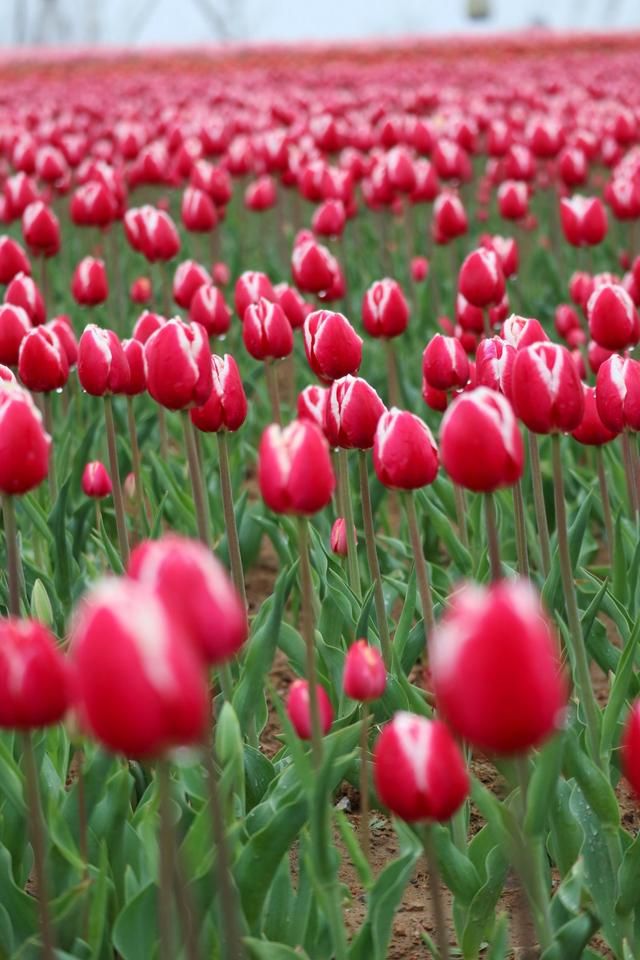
pixel 356 677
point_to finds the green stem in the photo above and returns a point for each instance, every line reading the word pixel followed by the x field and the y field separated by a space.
pixel 364 782
pixel 233 542
pixel 461 513
pixel 308 633
pixel 13 554
pixel 493 540
pixel 165 898
pixel 372 557
pixel 136 464
pixel 530 864
pixel 632 491
pixel 48 422
pixel 118 501
pixel 347 507
pixel 538 501
pixel 422 571
pixel 582 678
pixel 200 503
pixel 273 390
pixel 38 845
pixel 437 904
pixel 521 530
pixel 392 373
pixel 604 496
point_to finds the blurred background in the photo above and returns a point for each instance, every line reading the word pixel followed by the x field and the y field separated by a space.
pixel 150 22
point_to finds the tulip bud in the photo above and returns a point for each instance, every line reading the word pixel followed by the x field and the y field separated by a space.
pixel 102 365
pixel 592 430
pixel 312 404
pixel 42 362
pixel 364 677
pixel 313 267
pixel 385 311
pixel 494 365
pixel 546 389
pixel 146 325
pixel 266 332
pixel 613 320
pixel 583 220
pixel 506 250
pixel 294 305
pixel 226 408
pixel 261 194
pixel 141 291
pixel 418 769
pixel 178 365
pixel 41 229
pixel 444 363
pixel 299 709
pixel 96 481
pixel 89 285
pixel 196 591
pixel 23 292
pixel 252 286
pixel 40 605
pixel 133 659
pixel 93 205
pixel 134 352
pixel 35 678
pixel 209 309
pixel 198 211
pixel 187 280
pixel 352 413
pixel 631 747
pixel 339 541
pixel 332 346
pixel 24 443
pixel 13 259
pixel 294 468
pixel 513 199
pixel 481 279
pixel 618 393
pixel 496 668
pixel 480 443
pixel 405 455
pixel 329 219
pixel 521 332
pixel 14 327
pixel 419 269
pixel 449 217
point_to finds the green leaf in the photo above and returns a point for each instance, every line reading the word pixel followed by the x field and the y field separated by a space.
pixel 350 840
pixel 457 870
pixel 543 781
pixel 629 879
pixel 619 691
pixel 481 910
pixel 595 786
pixel 571 939
pixel 261 950
pixel 135 932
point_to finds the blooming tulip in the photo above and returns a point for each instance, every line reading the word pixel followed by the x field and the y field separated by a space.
pixel 294 468
pixel 299 709
pixel 405 454
pixel 35 678
pixel 546 389
pixel 178 365
pixel 385 311
pixel 24 443
pixel 364 677
pixel 226 408
pixel 42 362
pixel 102 364
pixel 352 413
pixel 332 346
pixel 96 481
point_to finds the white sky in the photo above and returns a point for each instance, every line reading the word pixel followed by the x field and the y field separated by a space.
pixel 124 22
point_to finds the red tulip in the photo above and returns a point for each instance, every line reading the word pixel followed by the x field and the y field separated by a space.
pixel 93 205
pixel 41 229
pixel 134 352
pixel 142 688
pixel 226 408
pixel 405 454
pixel 566 320
pixel 352 413
pixel 547 392
pixel 261 194
pixel 147 324
pixel 196 592
pixel 494 364
pixel 62 328
pixel 89 285
pixel 252 286
pixel 312 404
pixel 329 219
pixel 618 393
pixel 299 709
pixel 449 217
pixel 419 770
pixel 520 332
pixel 332 346
pixel 13 259
pixel 631 747
pixel 42 362
pixel 339 542
pixel 592 430
pixel 266 332
pixel 583 220
pixel 419 269
pixel 102 365
pixel 313 267
pixel 24 443
pixel 187 280
pixel 14 327
pixel 178 365
pixel 198 211
pixel 294 305
pixel 24 292
pixel 364 677
pixel 513 199
pixel 496 668
pixel 96 481
pixel 613 320
pixel 481 279
pixel 209 309
pixel 480 443
pixel 444 363
pixel 141 291
pixel 294 468
pixel 35 678
pixel 385 311
pixel 581 287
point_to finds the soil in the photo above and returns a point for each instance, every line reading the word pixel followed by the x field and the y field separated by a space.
pixel 415 913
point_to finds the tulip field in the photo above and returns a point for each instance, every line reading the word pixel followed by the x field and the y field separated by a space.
pixel 319 414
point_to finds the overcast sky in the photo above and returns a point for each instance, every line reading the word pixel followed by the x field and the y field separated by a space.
pixel 138 22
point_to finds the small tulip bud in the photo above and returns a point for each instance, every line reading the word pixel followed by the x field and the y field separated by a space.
pixel 364 677
pixel 299 709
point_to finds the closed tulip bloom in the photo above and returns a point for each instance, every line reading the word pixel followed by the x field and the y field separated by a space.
pixel 226 408
pixel 631 747
pixel 496 668
pixel 513 199
pixel 405 455
pixel 312 404
pixel 198 211
pixel 93 205
pixel 102 364
pixel 13 259
pixel 261 194
pixel 294 305
pixel 141 291
pixel 299 709
pixel 197 593
pixel 547 391
pixel 42 362
pixel 252 286
pixel 592 430
pixel 385 311
pixel 494 364
pixel 583 220
pixel 581 286
pixel 364 677
pixel 480 443
pixel 352 414
pixel 470 318
pixel 178 365
pixel 134 352
pixel 141 685
pixel 566 320
pixel 14 327
pixel 339 543
pixel 521 332
pixel 159 238
pixel 449 217
pixel 96 481
pixel 613 320
pixel 62 328
pixel 24 443
pixel 329 219
pixel 506 249
pixel 187 280
pixel 35 678
pixel 147 324
pixel 481 280
pixel 313 267
pixel 419 269
pixel 266 332
pixel 208 308
pixel 618 393
pixel 445 365
pixel 89 285
pixel 24 292
pixel 294 468
pixel 41 229
pixel 418 768
pixel 332 346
